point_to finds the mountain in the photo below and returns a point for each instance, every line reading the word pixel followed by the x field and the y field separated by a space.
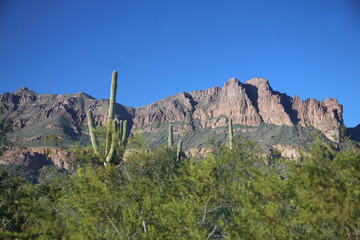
pixel 37 115
pixel 251 104
pixel 271 118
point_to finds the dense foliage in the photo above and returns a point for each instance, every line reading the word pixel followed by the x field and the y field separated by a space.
pixel 231 194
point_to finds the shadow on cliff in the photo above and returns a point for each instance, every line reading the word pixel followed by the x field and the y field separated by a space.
pixel 125 113
pixel 252 93
pixel 285 100
pixel 287 103
pixel 353 133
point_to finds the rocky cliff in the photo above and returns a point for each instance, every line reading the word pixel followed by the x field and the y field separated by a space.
pixel 25 107
pixel 251 103
pixel 37 115
pixel 259 112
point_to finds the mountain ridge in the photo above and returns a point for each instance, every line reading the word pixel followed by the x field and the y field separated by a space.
pixel 250 103
pixel 273 119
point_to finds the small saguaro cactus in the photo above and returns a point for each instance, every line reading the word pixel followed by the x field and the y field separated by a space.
pixel 116 136
pixel 231 134
pixel 171 137
pixel 179 150
pixel 171 143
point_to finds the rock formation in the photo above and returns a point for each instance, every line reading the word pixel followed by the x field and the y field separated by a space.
pixel 36 158
pixel 252 103
pixel 25 108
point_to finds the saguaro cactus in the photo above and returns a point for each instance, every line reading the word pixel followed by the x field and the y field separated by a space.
pixel 231 134
pixel 171 143
pixel 171 137
pixel 179 150
pixel 114 138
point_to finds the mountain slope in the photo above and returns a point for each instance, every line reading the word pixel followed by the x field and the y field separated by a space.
pixel 258 112
pixel 250 104
pixel 37 115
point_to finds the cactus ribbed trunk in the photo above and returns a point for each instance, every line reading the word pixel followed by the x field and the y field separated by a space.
pixel 111 113
pixel 110 154
pixel 231 134
pixel 179 150
pixel 124 133
pixel 171 137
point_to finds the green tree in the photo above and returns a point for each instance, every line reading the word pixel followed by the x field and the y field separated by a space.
pixel 317 199
pixel 53 139
pixel 10 192
pixel 28 211
pixel 327 188
pixel 231 194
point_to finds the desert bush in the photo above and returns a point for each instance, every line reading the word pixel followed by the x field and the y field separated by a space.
pixel 233 194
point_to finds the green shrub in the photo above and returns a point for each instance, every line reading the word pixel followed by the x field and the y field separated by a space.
pixel 231 194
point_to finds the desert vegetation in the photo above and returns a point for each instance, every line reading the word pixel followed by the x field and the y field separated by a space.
pixel 235 192
pixel 231 194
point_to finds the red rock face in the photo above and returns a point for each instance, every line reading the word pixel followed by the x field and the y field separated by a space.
pixel 24 108
pixel 268 103
pixel 325 116
pixel 36 158
pixel 235 103
pixel 250 103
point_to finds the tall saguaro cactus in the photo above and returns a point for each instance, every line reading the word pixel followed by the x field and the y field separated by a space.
pixel 116 136
pixel 231 134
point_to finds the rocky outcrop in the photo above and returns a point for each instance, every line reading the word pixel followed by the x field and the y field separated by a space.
pixel 25 108
pixel 250 103
pixel 233 102
pixel 290 152
pixel 24 157
pixel 325 116
pixel 36 158
pixel 267 102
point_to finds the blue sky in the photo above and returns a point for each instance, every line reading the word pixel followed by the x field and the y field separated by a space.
pixel 310 48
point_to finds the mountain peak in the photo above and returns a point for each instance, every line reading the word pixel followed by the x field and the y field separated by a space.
pixel 24 90
pixel 84 95
pixel 232 82
pixel 258 82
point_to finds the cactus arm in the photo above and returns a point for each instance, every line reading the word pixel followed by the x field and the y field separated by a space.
pixel 171 135
pixel 231 134
pixel 179 150
pixel 112 96
pixel 110 154
pixel 111 110
pixel 120 129
pixel 92 133
pixel 124 133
